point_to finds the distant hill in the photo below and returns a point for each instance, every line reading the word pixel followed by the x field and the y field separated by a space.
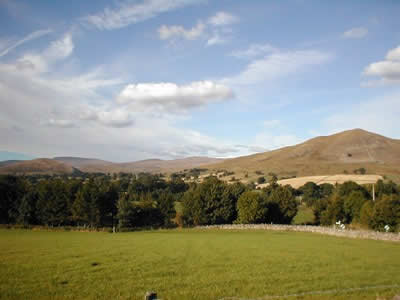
pixel 325 155
pixel 8 162
pixel 149 165
pixel 67 165
pixel 37 166
pixel 78 162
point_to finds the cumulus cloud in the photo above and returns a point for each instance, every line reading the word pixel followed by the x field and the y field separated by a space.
pixel 130 12
pixel 32 36
pixel 355 33
pixel 50 113
pixel 254 50
pixel 277 65
pixel 222 19
pixel 168 32
pixel 387 70
pixel 173 97
pixel 394 54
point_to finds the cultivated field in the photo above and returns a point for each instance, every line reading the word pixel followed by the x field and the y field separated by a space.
pixel 195 264
pixel 332 179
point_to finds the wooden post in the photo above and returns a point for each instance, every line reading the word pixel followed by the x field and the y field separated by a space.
pixel 150 296
pixel 373 192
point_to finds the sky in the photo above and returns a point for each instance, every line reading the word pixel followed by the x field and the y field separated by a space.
pixel 131 80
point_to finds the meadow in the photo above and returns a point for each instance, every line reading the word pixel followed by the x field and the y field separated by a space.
pixel 195 264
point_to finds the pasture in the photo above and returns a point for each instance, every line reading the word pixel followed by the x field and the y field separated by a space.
pixel 195 264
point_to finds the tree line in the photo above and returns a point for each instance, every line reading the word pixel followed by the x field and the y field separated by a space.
pixel 351 203
pixel 146 200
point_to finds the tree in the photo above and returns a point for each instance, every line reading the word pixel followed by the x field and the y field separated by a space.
pixel 52 203
pixel 12 190
pixel 209 203
pixel 252 208
pixel 386 212
pixel 27 213
pixel 334 211
pixel 311 193
pixel 366 213
pixel 283 196
pixel 126 214
pixel 352 206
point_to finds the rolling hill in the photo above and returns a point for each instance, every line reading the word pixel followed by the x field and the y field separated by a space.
pixel 148 165
pixel 339 153
pixel 37 166
pixel 67 165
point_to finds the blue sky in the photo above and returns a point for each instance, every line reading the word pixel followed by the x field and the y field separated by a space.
pixel 130 80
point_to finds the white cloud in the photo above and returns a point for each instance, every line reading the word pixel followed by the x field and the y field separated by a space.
pixel 39 62
pixel 172 97
pixel 277 65
pixel 216 39
pixel 254 50
pixel 51 113
pixel 129 12
pixel 169 32
pixel 29 37
pixel 388 70
pixel 215 29
pixel 380 115
pixel 394 54
pixel 222 19
pixel 355 33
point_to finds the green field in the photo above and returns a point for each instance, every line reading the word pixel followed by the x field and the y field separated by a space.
pixel 195 264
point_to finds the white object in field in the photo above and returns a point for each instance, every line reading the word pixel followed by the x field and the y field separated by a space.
pixel 338 222
pixel 387 228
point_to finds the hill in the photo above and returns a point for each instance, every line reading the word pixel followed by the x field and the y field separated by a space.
pixel 79 162
pixel 67 165
pixel 37 166
pixel 149 165
pixel 339 153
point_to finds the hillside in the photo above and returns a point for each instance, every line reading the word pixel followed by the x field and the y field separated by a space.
pixel 37 166
pixel 79 162
pixel 325 155
pixel 67 165
pixel 150 165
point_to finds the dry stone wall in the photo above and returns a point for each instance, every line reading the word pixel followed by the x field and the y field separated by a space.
pixel 335 231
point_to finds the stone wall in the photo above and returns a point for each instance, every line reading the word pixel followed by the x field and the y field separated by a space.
pixel 359 234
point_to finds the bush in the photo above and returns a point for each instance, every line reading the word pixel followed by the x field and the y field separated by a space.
pixel 261 180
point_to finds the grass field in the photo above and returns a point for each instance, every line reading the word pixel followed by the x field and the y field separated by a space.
pixel 194 264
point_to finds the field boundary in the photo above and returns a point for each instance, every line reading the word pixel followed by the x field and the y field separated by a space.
pixel 322 292
pixel 357 234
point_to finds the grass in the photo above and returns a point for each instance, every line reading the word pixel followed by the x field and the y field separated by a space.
pixel 193 264
pixel 304 216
